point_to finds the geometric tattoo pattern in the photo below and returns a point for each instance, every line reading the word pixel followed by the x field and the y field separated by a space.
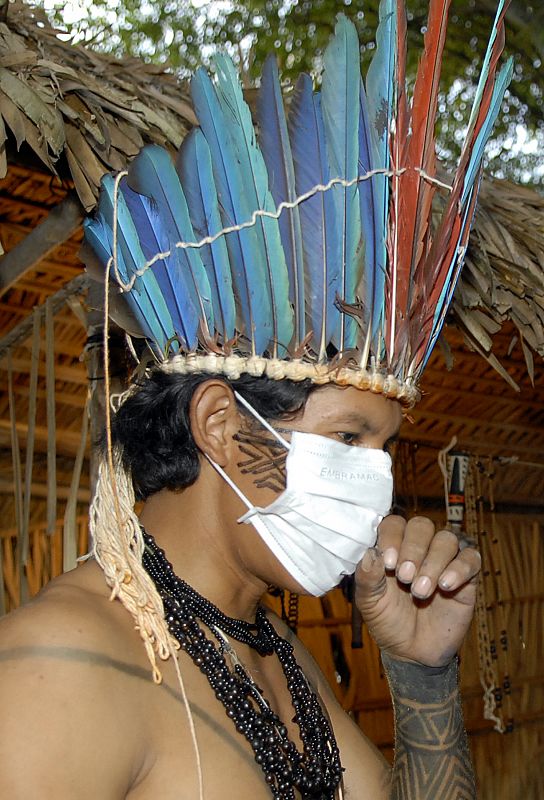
pixel 432 758
pixel 265 460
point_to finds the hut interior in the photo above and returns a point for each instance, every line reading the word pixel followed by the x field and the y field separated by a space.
pixel 67 115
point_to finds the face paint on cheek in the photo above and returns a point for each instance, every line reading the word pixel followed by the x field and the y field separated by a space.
pixel 265 460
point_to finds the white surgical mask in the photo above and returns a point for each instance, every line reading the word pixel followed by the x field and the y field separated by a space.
pixel 336 495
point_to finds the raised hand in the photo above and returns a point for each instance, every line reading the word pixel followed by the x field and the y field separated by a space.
pixel 416 590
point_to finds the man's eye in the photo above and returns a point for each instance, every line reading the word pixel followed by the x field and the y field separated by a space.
pixel 347 438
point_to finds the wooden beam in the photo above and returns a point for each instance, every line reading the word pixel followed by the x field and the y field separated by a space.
pixel 514 402
pixel 67 440
pixel 59 225
pixel 74 399
pixel 68 374
pixel 423 416
pixel 40 490
pixel 23 329
pixel 471 444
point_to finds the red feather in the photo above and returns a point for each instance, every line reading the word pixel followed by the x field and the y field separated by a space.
pixel 416 193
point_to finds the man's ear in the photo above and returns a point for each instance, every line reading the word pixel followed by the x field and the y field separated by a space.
pixel 214 419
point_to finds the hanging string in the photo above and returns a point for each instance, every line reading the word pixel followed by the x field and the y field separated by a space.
pixel 29 458
pixel 488 677
pixel 496 570
pixel 17 481
pixel 2 584
pixel 51 420
pixel 443 464
pixel 70 526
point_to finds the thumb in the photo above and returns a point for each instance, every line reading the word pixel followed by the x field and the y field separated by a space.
pixel 370 580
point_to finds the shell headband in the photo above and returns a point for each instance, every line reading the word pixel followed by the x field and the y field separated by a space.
pixel 304 246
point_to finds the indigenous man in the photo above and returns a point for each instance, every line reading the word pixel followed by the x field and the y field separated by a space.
pixel 258 445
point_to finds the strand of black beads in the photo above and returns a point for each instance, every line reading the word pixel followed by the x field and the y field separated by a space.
pixel 316 772
pixel 249 633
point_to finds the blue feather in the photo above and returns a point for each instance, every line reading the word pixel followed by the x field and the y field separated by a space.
pixel 276 150
pixel 250 278
pixel 99 235
pixel 340 107
pixel 146 293
pixel 194 167
pixel 170 275
pixel 152 173
pixel 255 177
pixel 320 230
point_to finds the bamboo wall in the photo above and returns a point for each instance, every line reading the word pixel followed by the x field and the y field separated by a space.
pixel 47 554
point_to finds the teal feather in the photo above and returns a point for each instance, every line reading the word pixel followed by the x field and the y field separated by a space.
pixel 145 293
pixel 486 65
pixel 248 271
pixel 99 236
pixel 340 96
pixel 470 187
pixel 276 150
pixel 477 152
pixel 374 255
pixel 255 178
pixel 380 93
pixel 194 167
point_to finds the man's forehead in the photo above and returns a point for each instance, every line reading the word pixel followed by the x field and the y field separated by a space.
pixel 353 406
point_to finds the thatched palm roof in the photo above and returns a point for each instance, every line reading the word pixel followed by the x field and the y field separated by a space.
pixel 65 100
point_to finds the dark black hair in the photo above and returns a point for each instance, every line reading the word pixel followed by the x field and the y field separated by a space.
pixel 152 432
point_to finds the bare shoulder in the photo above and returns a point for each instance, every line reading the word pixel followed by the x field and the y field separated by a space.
pixel 71 620
pixel 366 773
pixel 62 706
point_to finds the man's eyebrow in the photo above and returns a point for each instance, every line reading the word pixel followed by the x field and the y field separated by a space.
pixel 351 417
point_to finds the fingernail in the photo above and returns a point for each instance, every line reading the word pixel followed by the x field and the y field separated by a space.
pixel 368 560
pixel 390 558
pixel 406 571
pixel 448 579
pixel 422 586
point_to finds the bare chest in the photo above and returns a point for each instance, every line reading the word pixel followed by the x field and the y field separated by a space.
pixel 227 759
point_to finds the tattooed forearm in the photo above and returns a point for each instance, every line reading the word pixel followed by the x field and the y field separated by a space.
pixel 432 758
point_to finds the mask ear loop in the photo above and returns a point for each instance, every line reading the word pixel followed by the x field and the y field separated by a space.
pixel 230 482
pixel 263 422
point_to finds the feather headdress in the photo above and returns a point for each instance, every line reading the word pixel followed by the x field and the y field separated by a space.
pixel 304 246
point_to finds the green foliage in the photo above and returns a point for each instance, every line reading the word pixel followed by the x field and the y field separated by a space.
pixel 185 34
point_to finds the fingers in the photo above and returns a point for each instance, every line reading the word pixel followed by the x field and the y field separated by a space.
pixel 423 559
pixel 370 581
pixel 462 570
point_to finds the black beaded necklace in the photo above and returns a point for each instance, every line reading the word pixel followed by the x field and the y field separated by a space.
pixel 316 772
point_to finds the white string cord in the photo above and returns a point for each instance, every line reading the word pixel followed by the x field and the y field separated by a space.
pixel 260 212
